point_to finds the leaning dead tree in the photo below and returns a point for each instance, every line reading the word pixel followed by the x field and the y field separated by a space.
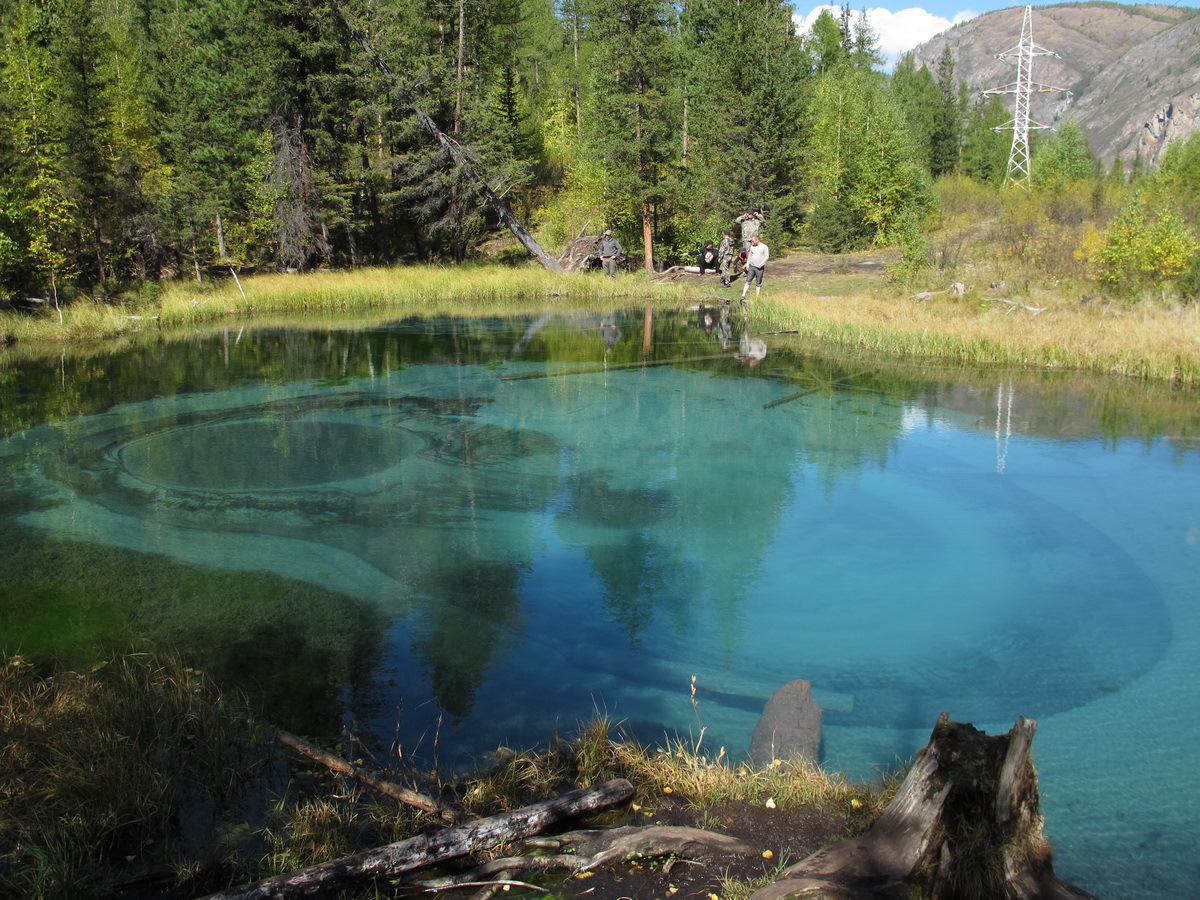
pixel 965 824
pixel 455 151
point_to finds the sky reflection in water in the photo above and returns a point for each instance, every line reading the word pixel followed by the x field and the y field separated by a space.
pixel 519 543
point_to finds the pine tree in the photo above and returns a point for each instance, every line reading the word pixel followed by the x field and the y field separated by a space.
pixel 632 121
pixel 945 139
pixel 986 142
pixel 138 176
pixel 916 94
pixel 212 89
pixel 752 85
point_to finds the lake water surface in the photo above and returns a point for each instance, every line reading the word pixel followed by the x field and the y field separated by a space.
pixel 467 534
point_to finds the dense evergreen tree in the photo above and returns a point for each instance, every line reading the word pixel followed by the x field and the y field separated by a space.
pixel 212 90
pixel 917 96
pixel 752 81
pixel 945 139
pixel 986 140
pixel 632 123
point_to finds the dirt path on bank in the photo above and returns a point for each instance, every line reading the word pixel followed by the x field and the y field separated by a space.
pixel 799 264
pixel 819 272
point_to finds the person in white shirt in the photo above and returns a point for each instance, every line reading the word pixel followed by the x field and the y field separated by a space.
pixel 756 262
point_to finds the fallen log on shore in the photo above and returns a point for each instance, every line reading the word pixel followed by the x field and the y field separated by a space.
pixel 583 851
pixel 395 861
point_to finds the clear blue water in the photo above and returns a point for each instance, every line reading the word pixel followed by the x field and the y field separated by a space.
pixel 471 535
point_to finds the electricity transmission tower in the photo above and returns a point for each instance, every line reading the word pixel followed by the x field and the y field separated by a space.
pixel 1022 89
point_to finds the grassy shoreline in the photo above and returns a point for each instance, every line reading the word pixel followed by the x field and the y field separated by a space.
pixel 1046 331
pixel 102 763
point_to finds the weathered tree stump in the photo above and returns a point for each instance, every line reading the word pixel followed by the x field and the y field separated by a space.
pixel 964 824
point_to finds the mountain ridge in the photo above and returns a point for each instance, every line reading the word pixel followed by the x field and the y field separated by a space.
pixel 1130 74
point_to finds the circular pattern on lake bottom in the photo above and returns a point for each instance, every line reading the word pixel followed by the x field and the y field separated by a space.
pixel 261 454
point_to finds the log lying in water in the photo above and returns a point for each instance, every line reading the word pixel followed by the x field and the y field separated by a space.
pixel 964 823
pixel 399 859
pixel 388 788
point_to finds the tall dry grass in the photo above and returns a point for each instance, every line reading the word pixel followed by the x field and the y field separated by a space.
pixel 469 290
pixel 97 766
pixel 1035 330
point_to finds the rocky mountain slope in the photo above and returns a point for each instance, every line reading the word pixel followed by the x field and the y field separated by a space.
pixel 1132 72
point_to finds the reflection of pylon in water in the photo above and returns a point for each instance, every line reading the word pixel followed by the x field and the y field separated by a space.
pixel 1004 400
pixel 1022 89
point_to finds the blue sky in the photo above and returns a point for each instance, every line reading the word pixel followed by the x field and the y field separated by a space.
pixel 900 27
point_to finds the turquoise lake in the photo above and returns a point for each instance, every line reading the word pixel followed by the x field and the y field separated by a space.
pixel 484 533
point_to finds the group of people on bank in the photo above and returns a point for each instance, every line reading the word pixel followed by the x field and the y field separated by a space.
pixel 753 255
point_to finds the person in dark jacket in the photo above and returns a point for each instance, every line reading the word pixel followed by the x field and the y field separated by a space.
pixel 709 258
pixel 609 249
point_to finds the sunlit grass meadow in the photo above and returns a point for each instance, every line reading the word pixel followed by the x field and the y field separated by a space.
pixel 1042 332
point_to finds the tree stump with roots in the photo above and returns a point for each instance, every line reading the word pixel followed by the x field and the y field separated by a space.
pixel 964 825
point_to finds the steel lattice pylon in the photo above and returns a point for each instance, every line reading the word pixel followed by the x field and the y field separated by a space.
pixel 1022 89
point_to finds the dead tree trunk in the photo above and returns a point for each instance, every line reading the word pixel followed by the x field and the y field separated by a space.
pixel 456 153
pixel 397 860
pixel 964 824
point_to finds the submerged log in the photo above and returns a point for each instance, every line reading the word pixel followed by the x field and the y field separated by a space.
pixel 395 861
pixel 965 823
pixel 388 788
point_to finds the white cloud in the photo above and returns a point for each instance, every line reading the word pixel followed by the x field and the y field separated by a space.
pixel 897 32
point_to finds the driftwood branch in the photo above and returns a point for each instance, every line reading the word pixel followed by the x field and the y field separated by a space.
pixel 398 861
pixel 490 887
pixel 594 848
pixel 965 822
pixel 387 788
pixel 1014 305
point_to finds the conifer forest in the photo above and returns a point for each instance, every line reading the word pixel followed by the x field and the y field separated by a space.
pixel 147 139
